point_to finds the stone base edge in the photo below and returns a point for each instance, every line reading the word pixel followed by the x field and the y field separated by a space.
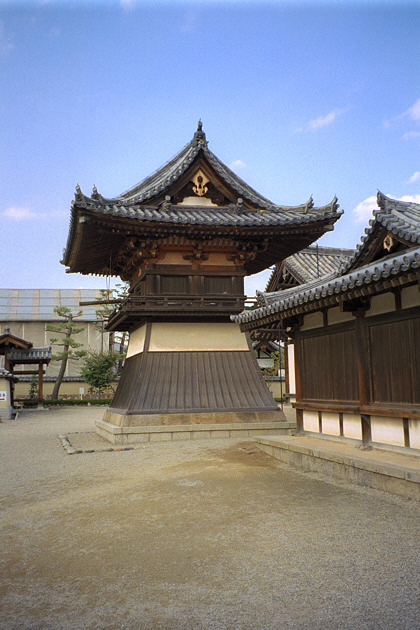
pixel 367 473
pixel 137 434
pixel 121 419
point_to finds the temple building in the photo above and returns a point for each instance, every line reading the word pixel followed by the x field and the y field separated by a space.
pixel 185 238
pixel 309 264
pixel 356 333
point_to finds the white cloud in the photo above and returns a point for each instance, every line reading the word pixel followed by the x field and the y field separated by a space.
pixel 410 115
pixel 237 164
pixel 363 212
pixel 190 20
pixel 127 5
pixel 6 44
pixel 414 178
pixel 19 213
pixel 411 134
pixel 412 198
pixel 413 112
pixel 22 213
pixel 323 121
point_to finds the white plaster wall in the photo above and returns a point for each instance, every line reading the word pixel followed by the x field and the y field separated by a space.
pixel 352 426
pixel 197 201
pixel 5 387
pixel 313 320
pixel 414 431
pixel 335 316
pixel 410 296
pixel 276 388
pixel 291 360
pixel 330 423
pixel 136 341
pixel 387 430
pixel 379 304
pixel 310 421
pixel 179 337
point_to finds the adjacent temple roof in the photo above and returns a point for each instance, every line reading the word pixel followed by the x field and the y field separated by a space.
pixel 401 219
pixel 308 264
pixel 193 194
pixel 386 257
pixel 38 304
pixel 20 356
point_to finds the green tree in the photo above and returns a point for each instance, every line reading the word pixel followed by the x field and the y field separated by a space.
pixel 33 388
pixel 278 362
pixel 98 370
pixel 67 328
pixel 102 314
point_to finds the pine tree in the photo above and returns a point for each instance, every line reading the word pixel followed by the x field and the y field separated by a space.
pixel 67 328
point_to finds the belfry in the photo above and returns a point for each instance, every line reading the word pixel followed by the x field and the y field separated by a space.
pixel 185 238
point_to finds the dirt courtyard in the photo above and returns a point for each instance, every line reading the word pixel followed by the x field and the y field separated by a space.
pixel 201 534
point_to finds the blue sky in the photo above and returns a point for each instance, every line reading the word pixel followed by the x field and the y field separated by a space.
pixel 300 99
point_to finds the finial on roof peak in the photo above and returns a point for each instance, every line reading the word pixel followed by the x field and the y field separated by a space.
pixel 199 136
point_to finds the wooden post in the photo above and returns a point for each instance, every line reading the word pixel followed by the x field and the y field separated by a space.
pixel 40 384
pixel 298 382
pixel 286 367
pixel 363 375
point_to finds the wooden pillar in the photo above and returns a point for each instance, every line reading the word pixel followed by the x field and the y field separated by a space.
pixel 363 375
pixel 298 382
pixel 286 367
pixel 40 384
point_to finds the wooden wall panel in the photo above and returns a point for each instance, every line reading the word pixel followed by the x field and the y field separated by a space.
pixel 329 367
pixel 394 349
pixel 217 284
pixel 175 284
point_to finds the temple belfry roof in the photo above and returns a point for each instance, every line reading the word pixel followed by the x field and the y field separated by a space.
pixel 193 190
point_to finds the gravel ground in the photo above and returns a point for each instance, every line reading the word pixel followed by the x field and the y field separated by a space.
pixel 202 534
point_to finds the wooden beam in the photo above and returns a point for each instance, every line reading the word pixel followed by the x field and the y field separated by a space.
pixel 20 372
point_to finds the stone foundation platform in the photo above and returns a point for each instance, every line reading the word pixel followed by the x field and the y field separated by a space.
pixel 162 433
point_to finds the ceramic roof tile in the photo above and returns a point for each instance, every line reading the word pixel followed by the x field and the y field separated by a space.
pixel 333 283
pixel 401 218
pixel 313 262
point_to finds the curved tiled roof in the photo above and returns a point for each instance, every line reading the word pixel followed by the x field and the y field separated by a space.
pixel 31 355
pixel 400 218
pixel 133 204
pixel 146 207
pixel 313 262
pixel 214 216
pixel 176 166
pixel 333 284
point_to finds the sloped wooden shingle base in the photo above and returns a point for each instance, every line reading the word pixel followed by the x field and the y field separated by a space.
pixel 191 388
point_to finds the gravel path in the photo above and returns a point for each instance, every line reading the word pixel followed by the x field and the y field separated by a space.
pixel 202 534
